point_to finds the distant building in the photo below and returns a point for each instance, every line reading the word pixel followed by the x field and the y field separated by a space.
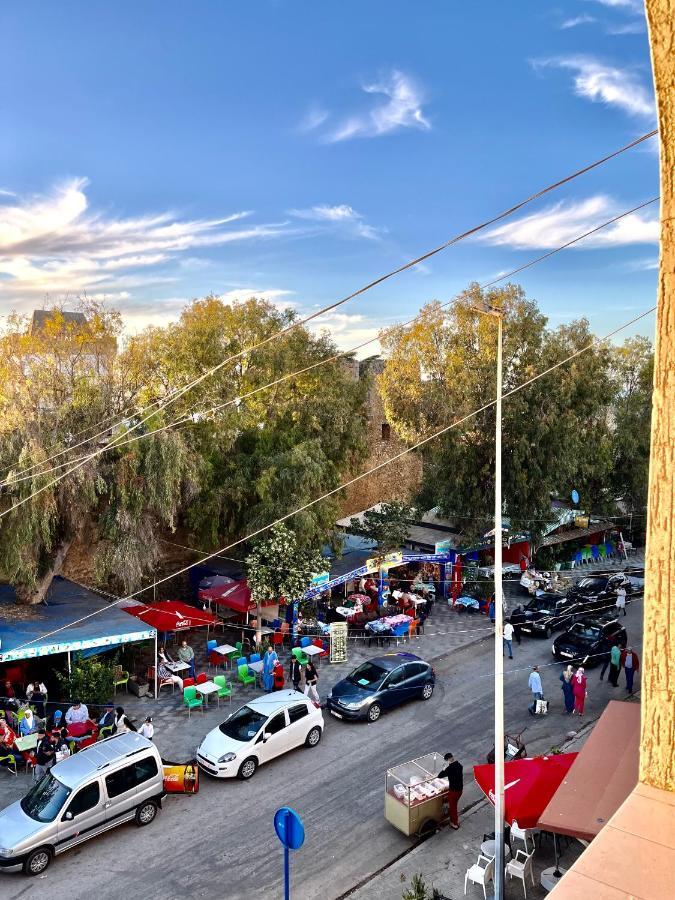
pixel 42 316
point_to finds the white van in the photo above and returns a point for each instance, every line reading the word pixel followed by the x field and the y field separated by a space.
pixel 113 781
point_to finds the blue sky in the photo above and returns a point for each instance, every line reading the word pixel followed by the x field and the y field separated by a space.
pixel 154 152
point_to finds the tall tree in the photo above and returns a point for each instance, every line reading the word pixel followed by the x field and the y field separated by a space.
pixel 387 526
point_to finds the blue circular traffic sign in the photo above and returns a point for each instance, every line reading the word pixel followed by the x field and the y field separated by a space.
pixel 289 828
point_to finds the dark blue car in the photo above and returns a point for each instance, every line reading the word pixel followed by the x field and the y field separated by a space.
pixel 379 684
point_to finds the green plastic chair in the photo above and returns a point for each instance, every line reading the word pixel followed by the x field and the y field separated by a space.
pixel 301 657
pixel 9 762
pixel 602 549
pixel 120 676
pixel 224 688
pixel 191 700
pixel 240 647
pixel 244 676
pixel 105 732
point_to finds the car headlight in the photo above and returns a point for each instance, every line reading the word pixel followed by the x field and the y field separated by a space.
pixel 355 704
pixel 5 851
pixel 539 625
pixel 228 757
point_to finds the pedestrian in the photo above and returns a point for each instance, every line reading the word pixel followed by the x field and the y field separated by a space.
pixel 534 684
pixel 508 639
pixel 517 618
pixel 455 775
pixel 491 611
pixel 296 673
pixel 44 754
pixel 621 600
pixel 568 690
pixel 147 729
pixel 122 722
pixel 630 663
pixel 580 692
pixel 614 665
pixel 187 655
pixel 311 678
pixel 604 654
pixel 269 661
pixel 279 678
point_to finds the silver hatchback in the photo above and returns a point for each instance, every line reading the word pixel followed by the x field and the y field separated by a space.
pixel 111 782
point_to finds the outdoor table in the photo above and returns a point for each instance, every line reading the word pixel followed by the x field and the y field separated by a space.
pixel 313 650
pixel 549 880
pixel 257 668
pixel 206 688
pixel 225 650
pixel 266 630
pixel 29 742
pixel 177 667
pixel 489 849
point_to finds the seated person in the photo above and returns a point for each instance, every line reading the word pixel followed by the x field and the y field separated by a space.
pixel 163 672
pixel 7 738
pixel 77 714
pixel 107 720
pixel 27 725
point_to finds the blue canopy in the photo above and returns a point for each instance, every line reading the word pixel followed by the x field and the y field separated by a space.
pixel 66 602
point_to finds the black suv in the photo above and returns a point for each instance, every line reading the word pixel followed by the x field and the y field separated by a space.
pixel 599 591
pixel 584 643
pixel 548 612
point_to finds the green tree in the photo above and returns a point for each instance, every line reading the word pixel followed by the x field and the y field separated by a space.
pixel 387 526
pixel 280 566
pixel 89 679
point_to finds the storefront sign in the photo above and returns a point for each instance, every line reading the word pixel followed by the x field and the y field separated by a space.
pixel 35 650
pixel 442 546
pixel 338 642
pixel 384 562
pixel 320 579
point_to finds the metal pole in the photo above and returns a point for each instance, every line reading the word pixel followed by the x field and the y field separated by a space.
pixel 287 874
pixel 69 669
pixel 499 627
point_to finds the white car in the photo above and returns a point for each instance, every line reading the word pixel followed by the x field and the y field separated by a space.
pixel 266 727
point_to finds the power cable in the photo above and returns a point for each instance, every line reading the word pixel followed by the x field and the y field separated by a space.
pixel 356 478
pixel 193 418
pixel 362 290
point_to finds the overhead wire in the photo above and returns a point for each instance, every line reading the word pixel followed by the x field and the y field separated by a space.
pixel 362 290
pixel 280 519
pixel 194 418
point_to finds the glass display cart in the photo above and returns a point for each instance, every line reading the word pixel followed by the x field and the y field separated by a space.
pixel 415 799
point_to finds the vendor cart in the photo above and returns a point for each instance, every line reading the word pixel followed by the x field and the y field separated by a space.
pixel 415 799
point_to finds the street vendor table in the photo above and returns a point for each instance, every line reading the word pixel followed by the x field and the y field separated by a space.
pixel 415 797
pixel 206 688
pixel 313 650
pixel 29 742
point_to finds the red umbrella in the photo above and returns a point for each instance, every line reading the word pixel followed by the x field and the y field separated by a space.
pixel 529 785
pixel 236 595
pixel 171 615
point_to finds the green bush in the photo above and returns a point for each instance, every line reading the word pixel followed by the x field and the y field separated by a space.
pixel 90 681
pixel 418 890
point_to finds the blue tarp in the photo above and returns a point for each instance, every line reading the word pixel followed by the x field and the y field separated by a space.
pixel 66 602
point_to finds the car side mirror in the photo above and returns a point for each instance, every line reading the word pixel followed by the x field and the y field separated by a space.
pixel 266 736
pixel 69 817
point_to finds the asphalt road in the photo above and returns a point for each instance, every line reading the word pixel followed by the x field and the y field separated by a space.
pixel 221 843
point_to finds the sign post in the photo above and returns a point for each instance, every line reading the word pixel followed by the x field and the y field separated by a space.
pixel 291 832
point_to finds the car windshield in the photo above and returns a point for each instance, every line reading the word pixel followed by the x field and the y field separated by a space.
pixel 586 583
pixel 45 800
pixel 541 604
pixel 585 632
pixel 367 676
pixel 243 725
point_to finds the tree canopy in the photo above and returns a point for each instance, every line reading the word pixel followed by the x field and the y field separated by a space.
pixel 387 526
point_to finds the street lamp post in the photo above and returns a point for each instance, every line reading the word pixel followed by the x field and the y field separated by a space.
pixel 499 621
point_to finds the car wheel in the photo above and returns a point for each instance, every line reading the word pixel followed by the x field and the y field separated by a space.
pixel 313 737
pixel 37 861
pixel 247 768
pixel 427 828
pixel 427 691
pixel 374 712
pixel 146 813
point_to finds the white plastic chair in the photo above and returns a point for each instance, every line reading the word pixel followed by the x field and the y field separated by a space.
pixel 521 867
pixel 480 874
pixel 522 834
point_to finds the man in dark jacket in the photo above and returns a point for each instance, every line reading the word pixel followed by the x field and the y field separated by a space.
pixel 296 673
pixel 455 775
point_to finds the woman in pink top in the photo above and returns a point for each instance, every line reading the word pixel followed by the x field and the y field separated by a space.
pixel 579 690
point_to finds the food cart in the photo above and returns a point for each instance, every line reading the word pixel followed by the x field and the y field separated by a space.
pixel 415 799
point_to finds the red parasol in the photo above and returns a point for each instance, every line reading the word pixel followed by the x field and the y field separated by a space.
pixel 171 615
pixel 529 785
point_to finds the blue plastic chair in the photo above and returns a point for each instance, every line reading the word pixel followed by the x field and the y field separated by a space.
pixel 255 657
pixel 305 642
pixel 242 661
pixel 595 552
pixel 211 645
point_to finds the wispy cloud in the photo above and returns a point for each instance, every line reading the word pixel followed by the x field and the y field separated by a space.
pixel 276 296
pixel 639 26
pixel 341 216
pixel 399 105
pixel 56 244
pixel 575 21
pixel 562 222
pixel 601 83
pixel 632 5
pixel 349 329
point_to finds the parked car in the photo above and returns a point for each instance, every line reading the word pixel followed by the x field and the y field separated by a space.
pixel 114 781
pixel 599 591
pixel 379 684
pixel 547 613
pixel 258 732
pixel 583 643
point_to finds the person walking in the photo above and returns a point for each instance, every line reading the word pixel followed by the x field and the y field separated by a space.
pixel 296 673
pixel 44 755
pixel 491 611
pixel 311 679
pixel 269 661
pixel 535 685
pixel 455 775
pixel 630 663
pixel 122 722
pixel 507 639
pixel 621 600
pixel 614 665
pixel 580 692
pixel 517 618
pixel 568 690
pixel 147 729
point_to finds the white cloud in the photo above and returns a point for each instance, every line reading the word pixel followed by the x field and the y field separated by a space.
pixel 55 244
pixel 562 222
pixel 399 106
pixel 639 26
pixel 632 5
pixel 275 296
pixel 342 215
pixel 576 21
pixel 347 330
pixel 601 83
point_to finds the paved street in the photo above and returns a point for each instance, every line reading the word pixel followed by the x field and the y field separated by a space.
pixel 221 843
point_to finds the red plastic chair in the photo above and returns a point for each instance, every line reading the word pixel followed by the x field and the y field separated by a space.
pixel 188 682
pixel 278 639
pixel 215 660
pixel 201 678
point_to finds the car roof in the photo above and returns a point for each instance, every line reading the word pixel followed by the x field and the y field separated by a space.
pixel 549 595
pixel 271 703
pixel 99 756
pixel 392 660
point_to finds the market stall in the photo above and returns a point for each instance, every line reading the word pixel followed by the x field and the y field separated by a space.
pixel 415 799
